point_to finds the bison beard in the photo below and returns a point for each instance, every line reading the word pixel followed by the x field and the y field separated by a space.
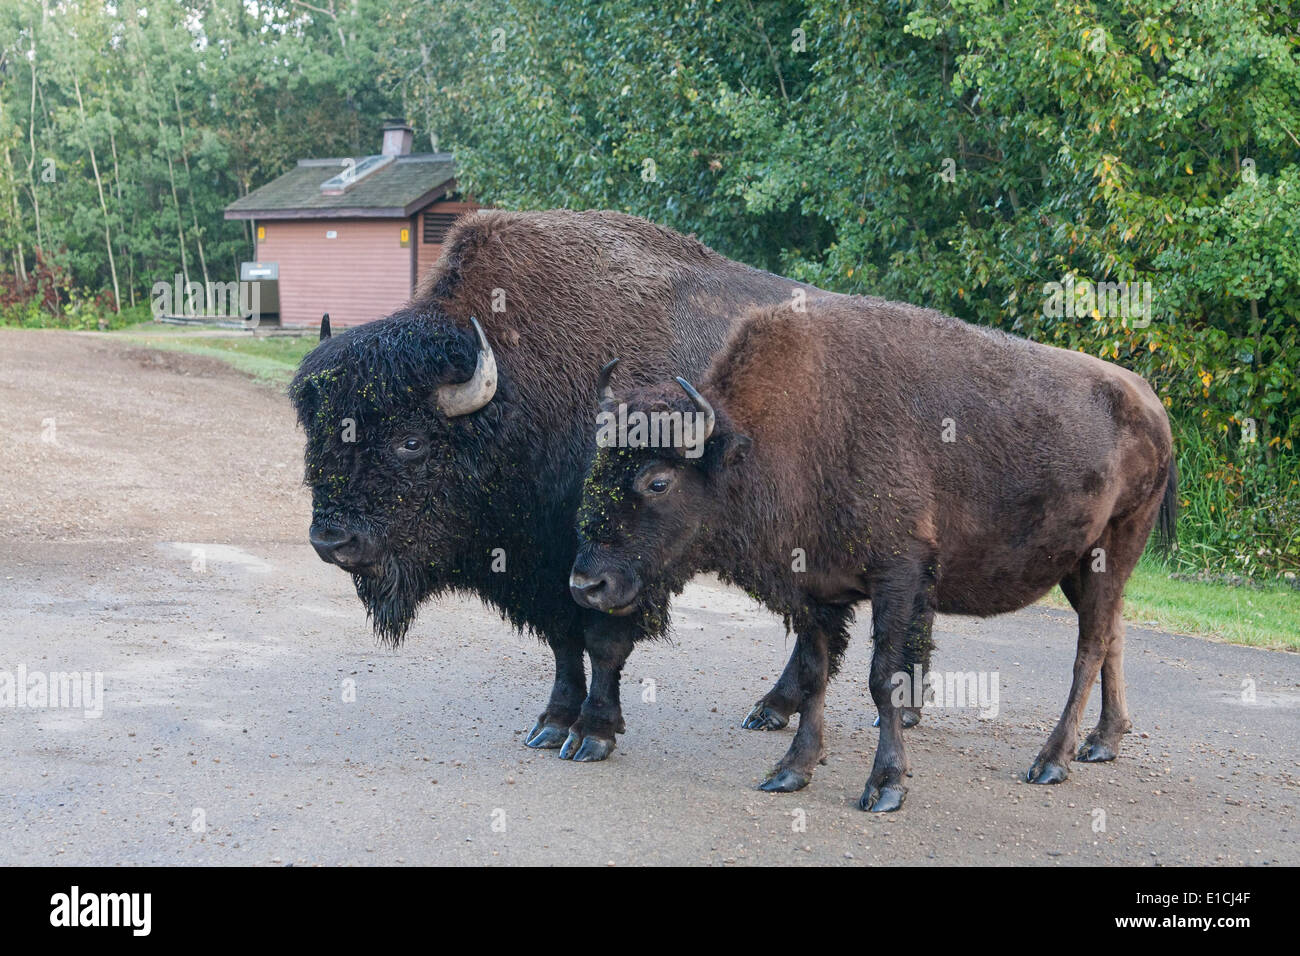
pixel 392 598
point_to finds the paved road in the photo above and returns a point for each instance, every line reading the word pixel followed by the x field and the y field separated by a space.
pixel 158 541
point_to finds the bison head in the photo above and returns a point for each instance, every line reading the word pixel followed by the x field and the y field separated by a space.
pixel 647 496
pixel 398 416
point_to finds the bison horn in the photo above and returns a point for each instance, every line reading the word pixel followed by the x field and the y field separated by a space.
pixel 466 397
pixel 701 404
pixel 602 383
pixel 324 326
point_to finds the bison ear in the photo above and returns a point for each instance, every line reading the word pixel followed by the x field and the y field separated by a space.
pixel 729 449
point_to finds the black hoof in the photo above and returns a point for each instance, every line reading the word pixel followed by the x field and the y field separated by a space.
pixel 763 717
pixel 910 717
pixel 1096 752
pixel 585 749
pixel 786 781
pixel 884 799
pixel 545 736
pixel 1047 771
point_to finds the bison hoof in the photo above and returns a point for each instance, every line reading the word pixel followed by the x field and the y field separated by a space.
pixel 585 749
pixel 1047 771
pixel 765 717
pixel 884 799
pixel 909 717
pixel 545 736
pixel 786 781
pixel 1095 751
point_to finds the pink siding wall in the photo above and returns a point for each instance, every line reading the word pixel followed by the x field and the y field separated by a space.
pixel 362 274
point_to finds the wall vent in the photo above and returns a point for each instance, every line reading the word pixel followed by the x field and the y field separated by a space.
pixel 437 225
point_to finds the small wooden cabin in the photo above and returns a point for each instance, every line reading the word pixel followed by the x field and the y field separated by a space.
pixel 352 236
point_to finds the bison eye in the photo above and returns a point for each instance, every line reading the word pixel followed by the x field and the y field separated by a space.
pixel 658 486
pixel 411 448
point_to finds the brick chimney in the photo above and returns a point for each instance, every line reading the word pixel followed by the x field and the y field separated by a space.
pixel 397 137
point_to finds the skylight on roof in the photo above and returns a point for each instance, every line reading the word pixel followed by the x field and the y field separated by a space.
pixel 353 173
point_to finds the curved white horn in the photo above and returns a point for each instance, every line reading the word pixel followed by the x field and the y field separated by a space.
pixel 463 398
pixel 709 416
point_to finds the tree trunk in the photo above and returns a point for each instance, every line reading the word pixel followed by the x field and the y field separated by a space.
pixel 99 185
pixel 31 158
pixel 189 183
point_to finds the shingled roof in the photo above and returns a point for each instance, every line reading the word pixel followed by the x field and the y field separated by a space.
pixel 396 191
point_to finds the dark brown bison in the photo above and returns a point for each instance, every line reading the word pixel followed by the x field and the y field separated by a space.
pixel 917 462
pixel 446 444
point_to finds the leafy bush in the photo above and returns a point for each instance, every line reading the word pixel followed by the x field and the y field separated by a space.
pixel 46 299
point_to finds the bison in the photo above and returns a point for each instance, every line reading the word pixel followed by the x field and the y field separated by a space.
pixel 446 444
pixel 915 461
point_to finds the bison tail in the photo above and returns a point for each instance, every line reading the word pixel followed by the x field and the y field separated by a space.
pixel 1167 523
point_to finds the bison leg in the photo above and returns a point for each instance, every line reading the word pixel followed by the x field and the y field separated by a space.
pixel 1098 597
pixel 902 609
pixel 818 643
pixel 1103 743
pixel 916 660
pixel 592 736
pixel 773 710
pixel 567 692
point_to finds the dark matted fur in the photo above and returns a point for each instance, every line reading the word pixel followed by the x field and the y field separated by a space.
pixel 578 287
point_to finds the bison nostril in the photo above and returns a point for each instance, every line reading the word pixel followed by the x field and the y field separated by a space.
pixel 606 591
pixel 331 544
pixel 330 538
pixel 585 584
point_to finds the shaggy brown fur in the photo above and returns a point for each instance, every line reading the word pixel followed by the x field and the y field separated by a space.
pixel 557 293
pixel 917 461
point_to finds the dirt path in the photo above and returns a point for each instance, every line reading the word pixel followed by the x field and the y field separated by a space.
pixel 160 539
